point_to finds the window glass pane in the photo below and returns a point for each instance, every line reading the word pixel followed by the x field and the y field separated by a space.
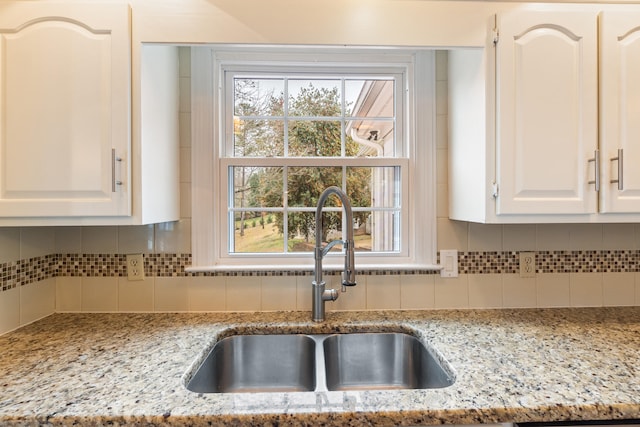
pixel 258 97
pixel 332 226
pixel 301 231
pixel 315 98
pixel 258 138
pixel 370 98
pixel 257 232
pixel 257 187
pixel 305 184
pixel 384 231
pixel 373 186
pixel 314 138
pixel 289 116
pixel 370 138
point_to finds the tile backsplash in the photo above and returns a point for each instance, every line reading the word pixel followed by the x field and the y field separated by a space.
pixel 48 269
pixel 35 287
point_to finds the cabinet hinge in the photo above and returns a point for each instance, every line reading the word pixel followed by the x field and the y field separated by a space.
pixel 494 190
pixel 496 36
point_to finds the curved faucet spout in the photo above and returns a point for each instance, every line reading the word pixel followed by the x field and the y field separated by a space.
pixel 349 273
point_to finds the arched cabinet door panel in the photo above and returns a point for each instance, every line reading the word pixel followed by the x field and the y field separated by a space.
pixel 65 91
pixel 620 112
pixel 547 112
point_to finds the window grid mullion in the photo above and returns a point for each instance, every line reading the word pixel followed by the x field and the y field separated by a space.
pixel 286 161
pixel 285 208
pixel 285 111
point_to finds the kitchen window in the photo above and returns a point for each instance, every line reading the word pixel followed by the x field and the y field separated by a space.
pixel 273 128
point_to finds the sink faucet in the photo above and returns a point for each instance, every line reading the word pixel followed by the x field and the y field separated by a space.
pixel 320 295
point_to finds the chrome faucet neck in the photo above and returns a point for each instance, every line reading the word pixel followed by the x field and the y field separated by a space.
pixel 320 294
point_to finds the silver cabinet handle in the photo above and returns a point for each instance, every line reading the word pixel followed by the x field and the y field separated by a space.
pixel 620 161
pixel 114 159
pixel 596 161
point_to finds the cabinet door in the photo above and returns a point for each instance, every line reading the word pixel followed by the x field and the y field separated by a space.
pixel 546 71
pixel 64 110
pixel 620 112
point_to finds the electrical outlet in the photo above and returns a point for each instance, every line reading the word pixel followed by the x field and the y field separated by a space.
pixel 527 264
pixel 135 267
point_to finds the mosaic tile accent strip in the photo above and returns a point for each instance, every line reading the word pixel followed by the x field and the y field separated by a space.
pixel 22 272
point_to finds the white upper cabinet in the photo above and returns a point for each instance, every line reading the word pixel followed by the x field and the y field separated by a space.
pixel 559 131
pixel 620 112
pixel 88 120
pixel 65 106
pixel 547 79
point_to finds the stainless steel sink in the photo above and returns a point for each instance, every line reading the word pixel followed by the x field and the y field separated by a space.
pixel 381 361
pixel 258 363
pixel 289 363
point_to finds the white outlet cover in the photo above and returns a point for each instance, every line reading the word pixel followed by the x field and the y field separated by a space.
pixel 449 262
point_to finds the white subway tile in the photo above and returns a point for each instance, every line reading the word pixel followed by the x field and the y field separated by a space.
pixel 485 290
pixel 68 294
pixel 583 237
pixel 551 237
pixel 68 240
pixel 442 65
pixel 100 240
pixel 553 290
pixel 485 237
pixel 354 299
pixel 518 237
pixel 37 241
pixel 279 293
pixel 518 292
pixel 451 292
pixel 135 295
pixel 100 294
pixel 185 94
pixel 9 244
pixel 173 237
pixel 9 310
pixel 442 202
pixel 184 57
pixel 618 237
pixel 185 164
pixel 442 165
pixel 185 200
pixel 243 293
pixel 442 97
pixel 37 300
pixel 586 289
pixel 135 239
pixel 171 294
pixel 383 292
pixel 207 293
pixel 618 289
pixel 453 234
pixel 303 292
pixel 442 131
pixel 417 291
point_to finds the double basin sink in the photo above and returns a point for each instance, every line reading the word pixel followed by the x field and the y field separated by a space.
pixel 321 362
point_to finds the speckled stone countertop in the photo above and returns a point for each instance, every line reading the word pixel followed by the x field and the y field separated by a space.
pixel 510 365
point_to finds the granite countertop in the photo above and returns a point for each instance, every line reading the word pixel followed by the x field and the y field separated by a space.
pixel 510 366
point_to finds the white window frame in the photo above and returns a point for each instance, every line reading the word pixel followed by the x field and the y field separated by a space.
pixel 209 167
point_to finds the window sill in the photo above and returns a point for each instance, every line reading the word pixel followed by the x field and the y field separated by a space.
pixel 360 268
